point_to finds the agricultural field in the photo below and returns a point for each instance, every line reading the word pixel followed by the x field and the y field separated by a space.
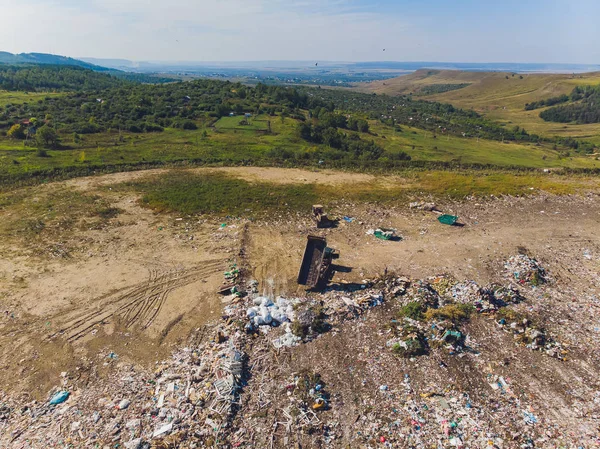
pixel 7 97
pixel 498 98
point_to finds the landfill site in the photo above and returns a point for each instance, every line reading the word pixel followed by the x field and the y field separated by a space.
pixel 467 324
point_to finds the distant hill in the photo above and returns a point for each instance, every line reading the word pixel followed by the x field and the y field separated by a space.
pixel 51 77
pixel 501 96
pixel 45 58
pixel 117 64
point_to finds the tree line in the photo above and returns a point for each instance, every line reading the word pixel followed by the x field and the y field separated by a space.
pixel 324 128
pixel 38 78
pixel 584 107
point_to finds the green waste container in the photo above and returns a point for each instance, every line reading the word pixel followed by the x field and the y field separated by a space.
pixel 448 219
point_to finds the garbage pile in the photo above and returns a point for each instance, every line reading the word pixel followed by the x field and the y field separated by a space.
pixel 267 312
pixel 444 418
pixel 307 396
pixel 267 315
pixel 408 339
pixel 423 292
pixel 192 399
pixel 525 270
pixel 187 399
pixel 531 336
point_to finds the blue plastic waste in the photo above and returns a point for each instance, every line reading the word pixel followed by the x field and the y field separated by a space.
pixel 59 397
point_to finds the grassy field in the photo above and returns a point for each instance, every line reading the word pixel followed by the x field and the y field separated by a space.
pixel 221 145
pixel 201 192
pixel 230 143
pixel 421 145
pixel 259 123
pixel 501 99
pixel 23 97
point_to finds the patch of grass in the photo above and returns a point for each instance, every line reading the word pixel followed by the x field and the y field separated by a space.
pixel 210 192
pixel 232 144
pixel 414 347
pixel 510 315
pixel 107 212
pixel 432 89
pixel 413 310
pixel 452 312
pixel 189 193
pixel 35 215
pixel 24 97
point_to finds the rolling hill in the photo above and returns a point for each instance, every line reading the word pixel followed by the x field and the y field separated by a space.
pixel 45 58
pixel 500 96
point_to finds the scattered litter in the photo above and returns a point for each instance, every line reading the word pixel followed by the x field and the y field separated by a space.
pixel 420 205
pixel 448 219
pixel 59 397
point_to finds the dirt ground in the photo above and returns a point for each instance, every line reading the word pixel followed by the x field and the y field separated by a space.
pixel 139 284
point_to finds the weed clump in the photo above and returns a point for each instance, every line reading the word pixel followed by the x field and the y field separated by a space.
pixel 188 193
pixel 413 310
pixel 455 313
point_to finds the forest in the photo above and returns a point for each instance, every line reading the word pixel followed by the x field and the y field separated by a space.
pixel 584 107
pixel 43 78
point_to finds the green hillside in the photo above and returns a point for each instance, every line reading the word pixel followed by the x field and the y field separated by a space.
pixel 499 96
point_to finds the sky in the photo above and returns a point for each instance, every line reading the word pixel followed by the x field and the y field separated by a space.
pixel 538 31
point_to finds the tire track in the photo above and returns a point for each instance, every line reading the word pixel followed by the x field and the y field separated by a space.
pixel 137 305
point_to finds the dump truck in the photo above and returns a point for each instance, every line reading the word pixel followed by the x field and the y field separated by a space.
pixel 321 219
pixel 315 262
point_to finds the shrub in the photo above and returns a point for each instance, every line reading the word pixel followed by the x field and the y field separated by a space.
pixel 452 312
pixel 107 212
pixel 16 132
pixel 413 310
pixel 414 347
pixel 188 124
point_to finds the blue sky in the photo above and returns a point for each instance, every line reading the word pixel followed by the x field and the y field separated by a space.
pixel 550 31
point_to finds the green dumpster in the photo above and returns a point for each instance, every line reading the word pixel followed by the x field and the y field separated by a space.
pixel 448 219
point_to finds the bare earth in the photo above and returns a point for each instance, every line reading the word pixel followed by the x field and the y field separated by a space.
pixel 140 285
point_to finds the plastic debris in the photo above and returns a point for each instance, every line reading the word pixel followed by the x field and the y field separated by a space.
pixel 59 397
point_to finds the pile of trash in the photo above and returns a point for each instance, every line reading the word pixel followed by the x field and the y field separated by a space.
pixel 266 315
pixel 308 393
pixel 188 398
pixel 525 270
pixel 191 400
pixel 423 292
pixel 531 336
pixel 408 339
pixel 266 312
